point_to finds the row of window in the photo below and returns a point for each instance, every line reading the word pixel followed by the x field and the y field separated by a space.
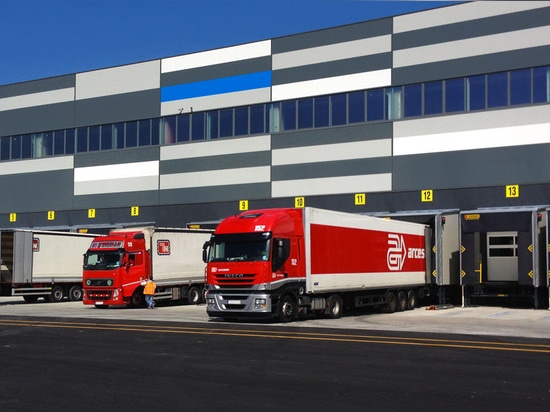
pixel 481 92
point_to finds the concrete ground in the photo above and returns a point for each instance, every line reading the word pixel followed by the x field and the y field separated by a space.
pixel 482 320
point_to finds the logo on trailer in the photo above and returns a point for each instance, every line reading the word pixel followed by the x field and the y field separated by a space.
pixel 36 245
pixel 163 247
pixel 397 252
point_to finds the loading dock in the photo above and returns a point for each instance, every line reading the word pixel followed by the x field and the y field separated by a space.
pixel 502 255
pixel 445 267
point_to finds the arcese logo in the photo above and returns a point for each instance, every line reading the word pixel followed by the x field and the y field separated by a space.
pixel 397 252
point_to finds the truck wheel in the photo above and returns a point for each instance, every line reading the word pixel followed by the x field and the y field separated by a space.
pixel 411 300
pixel 391 303
pixel 137 299
pixel 194 295
pixel 401 301
pixel 57 294
pixel 335 307
pixel 75 293
pixel 287 309
pixel 31 298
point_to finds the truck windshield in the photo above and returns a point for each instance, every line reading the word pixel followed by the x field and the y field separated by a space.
pixel 102 260
pixel 239 248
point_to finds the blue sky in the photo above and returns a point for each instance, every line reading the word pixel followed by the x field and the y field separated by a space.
pixel 46 38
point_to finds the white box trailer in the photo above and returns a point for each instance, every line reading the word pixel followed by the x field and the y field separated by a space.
pixel 41 263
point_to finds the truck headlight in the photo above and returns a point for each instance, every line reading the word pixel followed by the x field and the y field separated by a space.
pixel 210 302
pixel 260 303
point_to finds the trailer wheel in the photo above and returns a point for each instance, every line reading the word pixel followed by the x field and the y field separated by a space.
pixel 57 294
pixel 391 303
pixel 287 309
pixel 402 302
pixel 75 293
pixel 194 295
pixel 411 300
pixel 335 307
pixel 31 298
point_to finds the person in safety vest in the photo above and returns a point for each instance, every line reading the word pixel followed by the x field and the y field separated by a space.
pixel 149 288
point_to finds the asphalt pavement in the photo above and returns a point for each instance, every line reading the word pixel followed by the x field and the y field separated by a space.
pixel 481 320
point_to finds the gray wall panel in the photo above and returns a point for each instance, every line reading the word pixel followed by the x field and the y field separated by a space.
pixel 37 86
pixel 332 36
pixel 141 154
pixel 229 161
pixel 37 119
pixel 32 192
pixel 259 64
pixel 128 199
pixel 216 194
pixel 518 59
pixel 357 133
pixel 330 169
pixel 110 109
pixel 473 168
pixel 472 28
pixel 331 69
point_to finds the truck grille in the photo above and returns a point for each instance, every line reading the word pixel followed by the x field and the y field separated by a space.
pixel 234 280
pixel 99 294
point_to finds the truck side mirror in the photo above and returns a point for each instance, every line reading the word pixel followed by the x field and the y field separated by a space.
pixel 205 247
pixel 281 252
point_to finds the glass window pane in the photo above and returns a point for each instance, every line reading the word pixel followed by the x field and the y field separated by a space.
pixel 433 98
pixel 16 147
pixel 541 84
pixel 338 109
pixel 413 100
pixel 475 93
pixel 155 131
pixel 59 142
pixel 226 123
pixel 257 117
pixel 144 127
pixel 5 148
pixel 184 123
pixel 288 110
pixel 394 101
pixel 454 95
pixel 497 95
pixel 26 146
pixel 197 125
pixel 69 141
pixel 212 125
pixel 106 137
pixel 520 87
pixel 118 135
pixel 168 130
pixel 375 105
pixel 131 134
pixel 47 144
pixel 321 111
pixel 241 121
pixel 93 138
pixel 82 139
pixel 356 107
pixel 305 113
pixel 273 117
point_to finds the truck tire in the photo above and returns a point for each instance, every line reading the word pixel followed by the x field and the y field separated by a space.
pixel 75 293
pixel 335 307
pixel 402 301
pixel 137 299
pixel 194 295
pixel 287 309
pixel 57 294
pixel 411 300
pixel 391 303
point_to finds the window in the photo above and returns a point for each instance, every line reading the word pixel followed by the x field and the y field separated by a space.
pixel 26 146
pixel 413 100
pixel 155 131
pixel 197 126
pixel 475 93
pixel 454 95
pixel 305 113
pixel 131 134
pixel 47 144
pixel 541 84
pixel 70 141
pixel 257 117
pixel 144 127
pixel 82 139
pixel 375 105
pixel 226 123
pixel 357 107
pixel 106 137
pixel 321 111
pixel 241 121
pixel 5 148
pixel 273 117
pixel 433 98
pixel 16 147
pixel 184 123
pixel 118 135
pixel 212 125
pixel 288 110
pixel 338 109
pixel 520 87
pixel 59 142
pixel 168 130
pixel 93 138
pixel 497 95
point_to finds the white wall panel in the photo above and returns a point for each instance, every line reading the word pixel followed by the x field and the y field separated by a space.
pixel 47 164
pixel 223 177
pixel 37 99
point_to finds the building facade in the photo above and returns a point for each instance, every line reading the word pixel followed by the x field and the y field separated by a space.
pixel 445 109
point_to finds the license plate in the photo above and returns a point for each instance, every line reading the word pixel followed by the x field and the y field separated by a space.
pixel 233 302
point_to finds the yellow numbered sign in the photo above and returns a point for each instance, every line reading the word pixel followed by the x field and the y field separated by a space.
pixel 134 211
pixel 51 215
pixel 427 195
pixel 512 191
pixel 360 199
pixel 13 217
pixel 243 204
pixel 91 213
pixel 299 202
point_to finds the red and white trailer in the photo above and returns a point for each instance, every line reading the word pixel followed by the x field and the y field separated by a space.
pixel 285 262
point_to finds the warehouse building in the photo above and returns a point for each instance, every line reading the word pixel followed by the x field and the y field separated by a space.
pixel 440 116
